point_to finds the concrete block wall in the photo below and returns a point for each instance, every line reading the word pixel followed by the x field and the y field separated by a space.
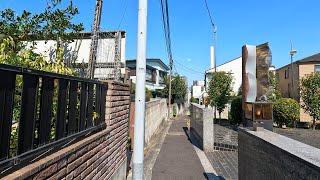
pixel 267 155
pixel 101 155
pixel 156 114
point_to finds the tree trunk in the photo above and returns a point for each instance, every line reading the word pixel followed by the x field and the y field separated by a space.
pixel 220 118
pixel 314 124
pixel 215 115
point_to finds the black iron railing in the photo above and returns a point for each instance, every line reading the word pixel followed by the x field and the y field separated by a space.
pixel 45 110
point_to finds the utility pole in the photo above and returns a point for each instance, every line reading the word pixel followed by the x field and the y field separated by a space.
pixel 138 153
pixel 292 52
pixel 215 62
pixel 94 39
pixel 170 79
pixel 117 56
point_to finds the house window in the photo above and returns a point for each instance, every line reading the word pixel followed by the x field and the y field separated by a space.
pixel 286 74
pixel 316 68
pixel 277 76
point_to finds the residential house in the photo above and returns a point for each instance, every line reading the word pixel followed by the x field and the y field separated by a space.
pixel 289 82
pixel 234 67
pixel 76 53
pixel 155 73
pixel 197 90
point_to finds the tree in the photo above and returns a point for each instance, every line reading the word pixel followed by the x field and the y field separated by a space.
pixel 274 89
pixel 240 91
pixel 310 94
pixel 286 111
pixel 220 88
pixel 178 88
pixel 15 31
pixel 133 93
pixel 53 23
pixel 236 111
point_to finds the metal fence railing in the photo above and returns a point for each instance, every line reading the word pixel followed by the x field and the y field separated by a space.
pixel 41 110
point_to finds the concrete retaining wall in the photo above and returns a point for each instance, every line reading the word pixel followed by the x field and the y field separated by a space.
pixel 267 155
pixel 156 114
pixel 201 126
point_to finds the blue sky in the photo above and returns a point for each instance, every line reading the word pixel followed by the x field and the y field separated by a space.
pixel 239 22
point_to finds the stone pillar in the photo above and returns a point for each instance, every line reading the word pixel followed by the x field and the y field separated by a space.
pixel 208 130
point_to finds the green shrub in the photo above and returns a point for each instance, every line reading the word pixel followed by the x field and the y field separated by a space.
pixel 148 95
pixel 174 110
pixel 193 100
pixel 236 111
pixel 133 92
pixel 286 111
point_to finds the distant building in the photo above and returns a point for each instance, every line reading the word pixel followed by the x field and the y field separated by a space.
pixel 76 53
pixel 234 67
pixel 301 68
pixel 155 73
pixel 197 90
pixel 198 83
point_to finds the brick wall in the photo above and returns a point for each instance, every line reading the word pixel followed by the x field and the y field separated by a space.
pixel 98 156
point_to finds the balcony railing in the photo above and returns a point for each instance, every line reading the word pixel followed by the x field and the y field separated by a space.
pixel 41 110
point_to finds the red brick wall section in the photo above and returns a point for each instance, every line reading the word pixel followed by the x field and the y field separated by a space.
pixel 131 123
pixel 95 157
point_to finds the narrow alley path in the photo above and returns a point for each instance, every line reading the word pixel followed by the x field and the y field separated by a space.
pixel 177 158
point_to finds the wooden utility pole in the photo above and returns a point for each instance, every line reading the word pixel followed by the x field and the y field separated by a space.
pixel 94 39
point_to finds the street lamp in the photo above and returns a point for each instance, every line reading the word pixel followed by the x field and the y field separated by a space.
pixel 292 52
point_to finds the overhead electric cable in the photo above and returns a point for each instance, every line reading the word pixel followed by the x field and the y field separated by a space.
pixel 124 13
pixel 209 13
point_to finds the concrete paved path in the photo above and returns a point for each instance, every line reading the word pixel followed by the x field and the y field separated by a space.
pixel 177 158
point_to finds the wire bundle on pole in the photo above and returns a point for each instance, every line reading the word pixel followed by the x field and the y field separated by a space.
pixel 166 26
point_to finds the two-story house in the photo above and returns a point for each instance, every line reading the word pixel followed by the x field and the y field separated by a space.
pixel 156 70
pixel 289 82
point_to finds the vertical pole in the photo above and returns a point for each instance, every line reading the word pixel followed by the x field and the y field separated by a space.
pixel 291 53
pixel 215 64
pixel 138 155
pixel 170 79
pixel 94 39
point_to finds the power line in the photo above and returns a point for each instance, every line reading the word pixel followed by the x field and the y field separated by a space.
pixel 124 12
pixel 189 69
pixel 209 13
pixel 166 26
pixel 174 66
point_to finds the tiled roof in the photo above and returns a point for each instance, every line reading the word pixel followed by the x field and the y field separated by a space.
pixel 313 58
